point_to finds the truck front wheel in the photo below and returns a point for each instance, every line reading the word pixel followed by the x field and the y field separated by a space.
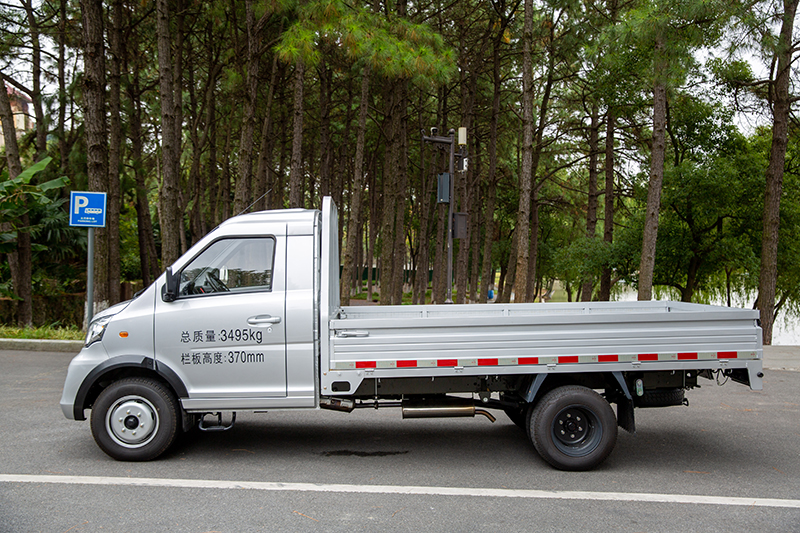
pixel 135 419
pixel 573 428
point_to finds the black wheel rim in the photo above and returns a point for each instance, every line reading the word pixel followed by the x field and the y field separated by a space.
pixel 576 431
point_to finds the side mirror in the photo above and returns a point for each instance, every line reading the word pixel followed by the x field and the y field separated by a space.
pixel 171 289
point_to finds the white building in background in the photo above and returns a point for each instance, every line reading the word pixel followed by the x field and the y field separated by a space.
pixel 20 107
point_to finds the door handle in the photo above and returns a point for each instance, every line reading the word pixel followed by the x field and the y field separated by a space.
pixel 263 320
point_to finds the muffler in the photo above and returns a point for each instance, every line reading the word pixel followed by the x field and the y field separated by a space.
pixel 449 407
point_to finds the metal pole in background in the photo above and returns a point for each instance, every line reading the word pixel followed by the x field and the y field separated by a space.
pixel 449 298
pixel 90 277
pixel 451 140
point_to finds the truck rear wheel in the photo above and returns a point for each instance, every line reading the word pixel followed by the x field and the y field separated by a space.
pixel 573 428
pixel 135 419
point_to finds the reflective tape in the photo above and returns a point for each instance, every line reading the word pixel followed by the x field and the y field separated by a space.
pixel 546 360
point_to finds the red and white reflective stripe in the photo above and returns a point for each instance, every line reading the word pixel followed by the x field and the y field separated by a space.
pixel 547 360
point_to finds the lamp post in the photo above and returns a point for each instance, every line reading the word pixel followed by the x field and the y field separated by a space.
pixel 450 140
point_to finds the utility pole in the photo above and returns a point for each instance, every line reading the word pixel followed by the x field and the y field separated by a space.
pixel 450 140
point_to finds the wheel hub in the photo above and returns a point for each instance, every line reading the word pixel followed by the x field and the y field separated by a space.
pixel 571 427
pixel 132 421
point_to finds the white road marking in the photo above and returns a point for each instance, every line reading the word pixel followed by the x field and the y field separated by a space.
pixel 402 490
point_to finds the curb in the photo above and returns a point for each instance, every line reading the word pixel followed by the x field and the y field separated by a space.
pixel 41 345
pixel 781 357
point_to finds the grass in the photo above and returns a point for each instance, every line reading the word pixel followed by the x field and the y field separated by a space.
pixel 42 332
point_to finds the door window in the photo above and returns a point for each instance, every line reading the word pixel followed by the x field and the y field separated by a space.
pixel 230 265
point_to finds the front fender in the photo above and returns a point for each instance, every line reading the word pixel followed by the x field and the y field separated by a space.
pixel 121 367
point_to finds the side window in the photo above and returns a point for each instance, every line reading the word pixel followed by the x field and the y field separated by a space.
pixel 230 265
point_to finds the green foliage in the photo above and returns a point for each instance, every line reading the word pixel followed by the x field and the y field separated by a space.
pixel 54 243
pixel 393 46
pixel 709 230
pixel 732 72
pixel 600 54
pixel 19 195
pixel 129 246
pixel 50 332
pixel 679 26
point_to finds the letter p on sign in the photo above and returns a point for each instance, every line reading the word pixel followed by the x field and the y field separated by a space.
pixel 80 203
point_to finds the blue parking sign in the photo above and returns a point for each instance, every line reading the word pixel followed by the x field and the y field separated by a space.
pixel 87 209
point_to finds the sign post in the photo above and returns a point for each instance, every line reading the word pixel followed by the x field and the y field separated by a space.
pixel 88 210
pixel 446 191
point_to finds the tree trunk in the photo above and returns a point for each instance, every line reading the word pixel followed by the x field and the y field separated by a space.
pixel 427 210
pixel 390 195
pixel 356 195
pixel 781 108
pixel 177 102
pixel 533 253
pixel 279 198
pixel 522 227
pixel 487 280
pixel 326 153
pixel 9 132
pixel 20 260
pixel 262 190
pixel 148 255
pixel 401 191
pixel 591 206
pixel 171 218
pixel 373 235
pixel 648 260
pixel 94 96
pixel 36 72
pixel 532 147
pixel 469 83
pixel 197 188
pixel 491 178
pixel 296 171
pixel 475 223
pixel 608 222
pixel 62 84
pixel 242 197
pixel 117 51
pixel 511 269
pixel 212 217
pixel 226 175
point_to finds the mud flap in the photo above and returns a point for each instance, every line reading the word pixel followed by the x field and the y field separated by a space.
pixel 625 418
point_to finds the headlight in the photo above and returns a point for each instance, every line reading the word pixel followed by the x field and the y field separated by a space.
pixel 96 330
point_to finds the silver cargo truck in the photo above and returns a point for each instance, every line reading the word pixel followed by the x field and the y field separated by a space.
pixel 249 320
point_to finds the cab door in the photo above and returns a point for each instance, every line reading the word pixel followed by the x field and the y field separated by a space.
pixel 225 333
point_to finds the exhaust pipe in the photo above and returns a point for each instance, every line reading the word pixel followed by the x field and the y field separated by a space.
pixel 336 404
pixel 452 407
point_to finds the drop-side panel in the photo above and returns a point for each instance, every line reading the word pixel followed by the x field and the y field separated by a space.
pixel 493 339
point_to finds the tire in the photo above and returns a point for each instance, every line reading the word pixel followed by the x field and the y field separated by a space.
pixel 135 419
pixel 660 398
pixel 573 428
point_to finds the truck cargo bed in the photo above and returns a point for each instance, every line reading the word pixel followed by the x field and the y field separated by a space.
pixel 394 341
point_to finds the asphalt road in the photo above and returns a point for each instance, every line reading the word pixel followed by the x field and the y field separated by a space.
pixel 729 462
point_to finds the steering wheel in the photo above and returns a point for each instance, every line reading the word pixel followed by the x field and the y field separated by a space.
pixel 216 283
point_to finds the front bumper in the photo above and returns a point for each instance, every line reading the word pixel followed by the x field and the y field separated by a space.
pixel 80 367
